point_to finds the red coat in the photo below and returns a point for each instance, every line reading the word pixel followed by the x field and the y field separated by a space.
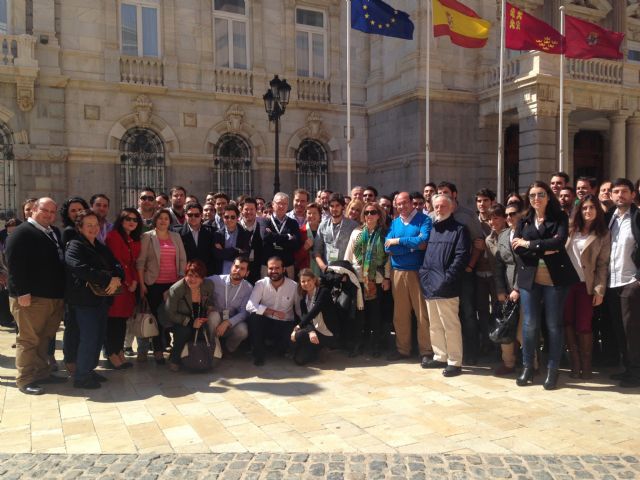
pixel 126 253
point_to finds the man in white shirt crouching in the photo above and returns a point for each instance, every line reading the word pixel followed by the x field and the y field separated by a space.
pixel 271 308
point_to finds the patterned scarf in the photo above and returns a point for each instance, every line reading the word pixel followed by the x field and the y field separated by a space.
pixel 369 252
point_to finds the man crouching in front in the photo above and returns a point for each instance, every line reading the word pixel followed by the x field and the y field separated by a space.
pixel 271 310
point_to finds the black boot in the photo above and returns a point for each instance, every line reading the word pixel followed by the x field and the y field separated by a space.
pixel 552 379
pixel 525 377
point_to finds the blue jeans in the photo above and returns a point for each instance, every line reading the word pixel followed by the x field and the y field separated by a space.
pixel 92 330
pixel 532 302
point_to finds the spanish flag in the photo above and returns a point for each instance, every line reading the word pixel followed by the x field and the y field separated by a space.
pixel 463 26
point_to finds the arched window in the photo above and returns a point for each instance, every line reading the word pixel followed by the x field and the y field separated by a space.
pixel 7 174
pixel 141 164
pixel 232 166
pixel 312 166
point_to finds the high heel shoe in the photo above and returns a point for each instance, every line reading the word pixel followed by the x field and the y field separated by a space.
pixel 552 379
pixel 525 377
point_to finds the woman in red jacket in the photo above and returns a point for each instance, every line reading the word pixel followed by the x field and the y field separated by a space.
pixel 124 243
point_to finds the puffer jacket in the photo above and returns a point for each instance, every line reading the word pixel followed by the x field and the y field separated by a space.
pixel 446 257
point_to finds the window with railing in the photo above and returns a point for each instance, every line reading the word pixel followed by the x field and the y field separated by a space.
pixel 231 171
pixel 230 33
pixel 140 28
pixel 311 38
pixel 312 166
pixel 142 163
pixel 7 174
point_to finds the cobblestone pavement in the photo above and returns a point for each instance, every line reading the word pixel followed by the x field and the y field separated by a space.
pixel 303 466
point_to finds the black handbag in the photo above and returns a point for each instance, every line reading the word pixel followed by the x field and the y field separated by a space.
pixel 506 316
pixel 197 355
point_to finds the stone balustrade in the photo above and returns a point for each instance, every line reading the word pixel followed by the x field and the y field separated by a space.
pixel 595 70
pixel 491 76
pixel 233 81
pixel 142 71
pixel 313 90
pixel 17 51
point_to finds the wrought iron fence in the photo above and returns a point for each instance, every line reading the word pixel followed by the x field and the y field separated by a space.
pixel 231 172
pixel 142 164
pixel 312 166
pixel 7 175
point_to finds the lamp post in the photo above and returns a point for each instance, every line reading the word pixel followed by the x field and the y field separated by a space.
pixel 275 103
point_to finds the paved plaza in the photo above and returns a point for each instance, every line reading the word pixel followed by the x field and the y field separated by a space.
pixel 351 418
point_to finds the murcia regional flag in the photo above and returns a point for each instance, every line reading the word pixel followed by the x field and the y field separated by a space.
pixel 526 32
pixel 463 26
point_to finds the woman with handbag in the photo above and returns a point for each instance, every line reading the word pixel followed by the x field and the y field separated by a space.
pixel 589 247
pixel 124 243
pixel 544 278
pixel 160 264
pixel 188 305
pixel 371 263
pixel 506 275
pixel 93 277
pixel 319 319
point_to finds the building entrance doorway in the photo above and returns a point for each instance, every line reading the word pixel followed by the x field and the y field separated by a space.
pixel 588 155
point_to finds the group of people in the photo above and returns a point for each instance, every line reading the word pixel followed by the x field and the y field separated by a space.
pixel 248 272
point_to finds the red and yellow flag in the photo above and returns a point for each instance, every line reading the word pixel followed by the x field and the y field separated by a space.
pixel 526 32
pixel 463 26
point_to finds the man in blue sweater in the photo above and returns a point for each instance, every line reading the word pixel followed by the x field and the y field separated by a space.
pixel 406 243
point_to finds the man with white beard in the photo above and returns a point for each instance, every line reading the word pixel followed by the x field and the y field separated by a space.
pixel 447 255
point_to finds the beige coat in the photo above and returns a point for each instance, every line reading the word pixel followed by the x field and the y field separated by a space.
pixel 149 259
pixel 595 261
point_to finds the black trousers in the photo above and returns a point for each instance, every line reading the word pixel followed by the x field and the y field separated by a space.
pixel 155 297
pixel 304 351
pixel 624 308
pixel 116 331
pixel 181 335
pixel 368 322
pixel 262 328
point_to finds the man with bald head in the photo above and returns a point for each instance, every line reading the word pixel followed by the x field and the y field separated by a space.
pixel 35 259
pixel 406 243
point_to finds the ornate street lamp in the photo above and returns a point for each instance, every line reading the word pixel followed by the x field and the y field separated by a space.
pixel 275 103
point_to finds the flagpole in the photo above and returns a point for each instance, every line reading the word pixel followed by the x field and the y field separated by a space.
pixel 348 95
pixel 561 145
pixel 427 145
pixel 500 187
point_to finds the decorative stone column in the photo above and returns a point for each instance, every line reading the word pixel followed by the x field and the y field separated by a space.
pixel 617 145
pixel 633 147
pixel 538 152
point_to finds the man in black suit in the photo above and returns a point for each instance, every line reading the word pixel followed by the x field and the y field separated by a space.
pixel 35 260
pixel 198 239
pixel 280 235
pixel 232 240
pixel 248 221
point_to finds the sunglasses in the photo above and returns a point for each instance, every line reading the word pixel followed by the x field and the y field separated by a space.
pixel 147 198
pixel 532 196
pixel 130 219
pixel 193 215
pixel 371 212
pixel 229 217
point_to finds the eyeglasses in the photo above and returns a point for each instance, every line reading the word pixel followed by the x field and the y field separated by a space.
pixel 193 215
pixel 229 217
pixel 147 198
pixel 371 212
pixel 130 219
pixel 533 196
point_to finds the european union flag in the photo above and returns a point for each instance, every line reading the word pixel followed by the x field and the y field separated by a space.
pixel 375 16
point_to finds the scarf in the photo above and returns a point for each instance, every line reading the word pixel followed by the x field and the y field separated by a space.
pixel 369 252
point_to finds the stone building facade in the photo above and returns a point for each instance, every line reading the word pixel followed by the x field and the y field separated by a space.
pixel 110 95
